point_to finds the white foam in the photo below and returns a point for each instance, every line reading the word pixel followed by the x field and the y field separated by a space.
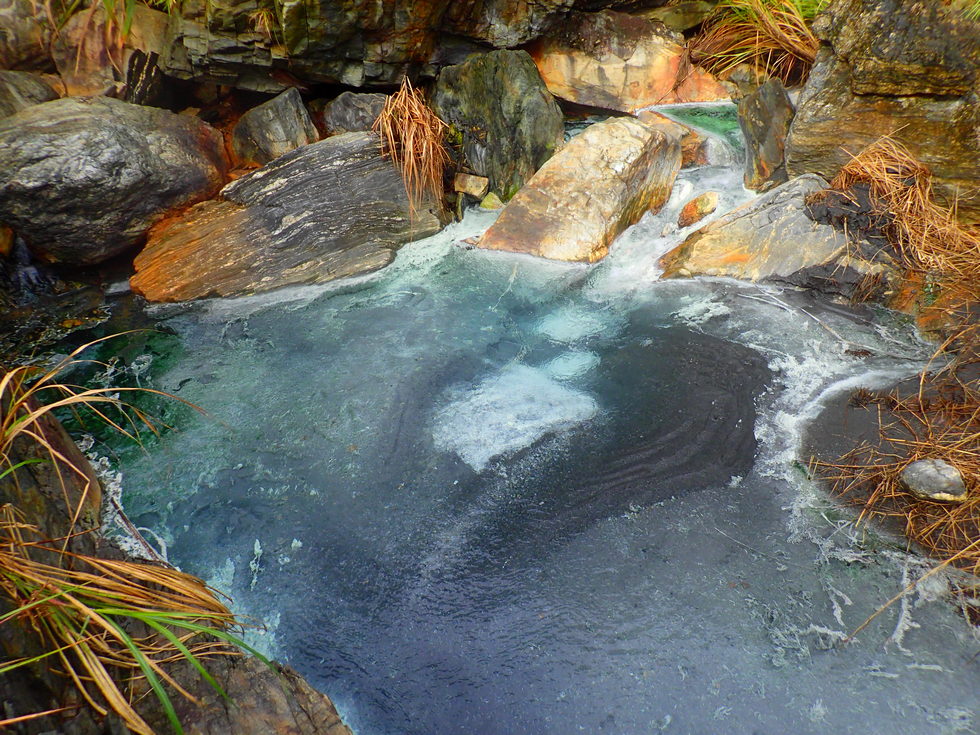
pixel 570 324
pixel 507 412
pixel 571 365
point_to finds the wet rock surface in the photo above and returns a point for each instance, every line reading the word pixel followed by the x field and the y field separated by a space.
pixel 20 89
pixel 506 119
pixel 83 179
pixel 698 208
pixel 327 210
pixel 603 181
pixel 919 82
pixel 621 62
pixel 934 479
pixel 273 128
pixel 694 146
pixel 351 112
pixel 768 237
pixel 764 116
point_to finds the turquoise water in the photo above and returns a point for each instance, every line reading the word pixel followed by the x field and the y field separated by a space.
pixel 483 493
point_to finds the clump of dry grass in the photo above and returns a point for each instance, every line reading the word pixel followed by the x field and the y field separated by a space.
pixel 412 136
pixel 925 234
pixel 773 36
pixel 108 623
pixel 941 420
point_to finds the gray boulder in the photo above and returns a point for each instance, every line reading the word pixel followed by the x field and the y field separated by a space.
pixel 83 179
pixel 351 112
pixel 324 211
pixel 505 117
pixel 934 479
pixel 273 128
pixel 765 116
pixel 20 89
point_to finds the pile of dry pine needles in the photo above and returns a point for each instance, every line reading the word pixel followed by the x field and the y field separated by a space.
pixel 940 417
pixel 412 137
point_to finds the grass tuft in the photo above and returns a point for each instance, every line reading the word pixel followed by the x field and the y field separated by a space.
pixel 101 621
pixel 773 36
pixel 412 137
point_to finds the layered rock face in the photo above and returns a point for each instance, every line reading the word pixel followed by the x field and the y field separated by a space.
pixel 83 179
pixel 507 120
pixel 602 182
pixel 919 82
pixel 620 62
pixel 353 43
pixel 324 211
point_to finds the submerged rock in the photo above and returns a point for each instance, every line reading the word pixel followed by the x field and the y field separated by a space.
pixel 273 128
pixel 768 237
pixel 21 89
pixel 764 116
pixel 507 120
pixel 83 179
pixel 327 210
pixel 603 181
pixel 351 112
pixel 934 479
pixel 621 62
pixel 887 68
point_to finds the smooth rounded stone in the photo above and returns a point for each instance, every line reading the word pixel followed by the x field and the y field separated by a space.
pixel 681 16
pixel 506 119
pixel 474 186
pixel 351 112
pixel 83 179
pixel 764 116
pixel 272 129
pixel 621 62
pixel 934 479
pixel 324 211
pixel 886 70
pixel 20 89
pixel 768 237
pixel 697 209
pixel 600 183
pixel 694 146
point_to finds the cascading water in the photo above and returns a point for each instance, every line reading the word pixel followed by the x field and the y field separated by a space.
pixel 483 493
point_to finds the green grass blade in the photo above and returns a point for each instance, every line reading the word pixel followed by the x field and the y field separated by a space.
pixel 179 645
pixel 151 676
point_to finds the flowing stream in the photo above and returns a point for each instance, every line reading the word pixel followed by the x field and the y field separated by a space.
pixel 483 493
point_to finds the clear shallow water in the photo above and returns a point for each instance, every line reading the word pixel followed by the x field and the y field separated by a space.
pixel 483 493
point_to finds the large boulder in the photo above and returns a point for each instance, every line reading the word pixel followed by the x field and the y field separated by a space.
pixel 602 182
pixel 764 115
pixel 770 237
pixel 621 62
pixel 20 89
pixel 894 67
pixel 508 122
pixel 273 128
pixel 324 211
pixel 83 179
